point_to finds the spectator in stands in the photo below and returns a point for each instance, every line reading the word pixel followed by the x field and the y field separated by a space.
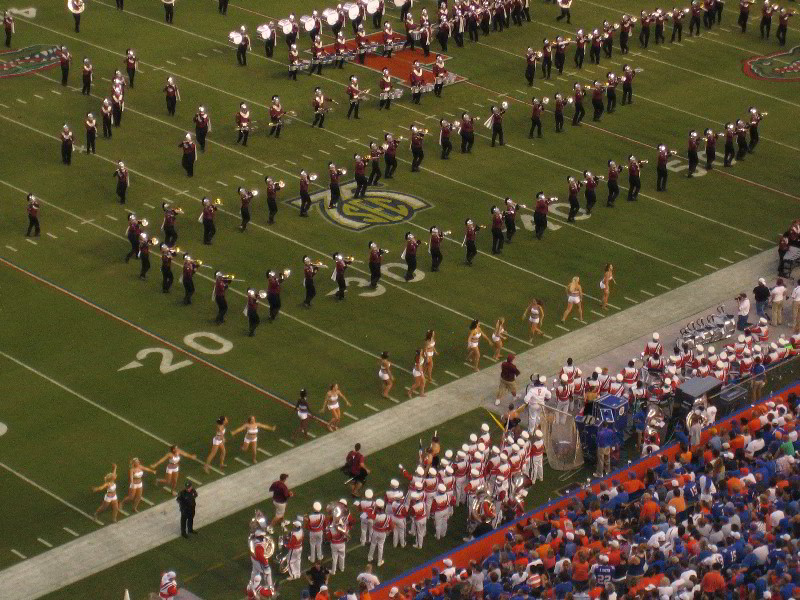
pixel 758 380
pixel 761 294
pixel 743 311
pixel 796 308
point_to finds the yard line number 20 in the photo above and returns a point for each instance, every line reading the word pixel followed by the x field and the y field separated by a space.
pixel 204 342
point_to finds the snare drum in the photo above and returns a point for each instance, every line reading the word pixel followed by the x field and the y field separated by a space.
pixel 331 16
pixel 372 6
pixel 265 31
pixel 416 34
pixel 352 10
pixel 235 37
pixel 286 26
pixel 400 3
pixel 307 22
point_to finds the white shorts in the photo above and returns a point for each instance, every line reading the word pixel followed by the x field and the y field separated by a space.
pixel 495 338
pixel 533 320
pixel 574 299
pixel 416 373
pixel 602 285
pixel 250 440
pixel 334 406
pixel 429 354
pixel 216 441
pixel 472 345
pixel 136 486
pixel 280 508
pixel 383 375
pixel 172 469
pixel 110 499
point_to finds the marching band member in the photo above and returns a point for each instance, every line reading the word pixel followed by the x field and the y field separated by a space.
pixel 744 13
pixel 217 444
pixel 470 234
pixel 473 344
pixel 366 507
pixel 309 271
pixel 419 515
pixel 251 427
pixel 425 38
pixel 189 268
pixel 274 281
pixel 331 403
pixel 166 268
pixel 375 261
pixel 33 215
pixel 132 233
pixel 169 586
pixel 573 186
pixel 305 197
pixel 766 19
pixel 144 255
pixel 385 84
pixel 243 46
pixel 694 20
pixel 388 40
pixel 255 590
pixel 590 183
pixel 730 132
pixel 381 527
pixel 202 125
pixel 530 65
pixel 336 195
pixel 377 16
pixel 418 372
pixel 251 311
pixel 315 523
pixel 8 26
pixel 537 107
pixel 318 103
pixel 399 511
pixel 269 42
pixel 207 217
pixel 109 486
pixel 611 91
pixel 385 374
pixel 472 23
pixel 409 25
pixel 360 173
pixel 294 59
pixel 496 117
pixel 245 196
pixel 64 58
pixel 625 30
pixel 221 283
pixel 291 37
pixel 660 17
pixel 577 100
pixel 596 39
pixel 467 132
pixel 168 224
pixel 677 24
pixel 540 213
pixel 172 95
pixel 135 483
pixel 189 155
pixel 67 143
pixel 338 275
pixel 117 108
pixel 755 119
pixel 741 139
pixel 661 167
pixel 598 91
pixel 375 153
pixel 497 230
pixel 317 54
pixel 410 255
pixel 558 111
pixel 546 56
pixel 417 152
pixel 173 467
pixel 498 16
pixel 443 33
pixel 362 45
pixel 417 80
pixel 242 120
pixel 390 154
pixel 273 187
pixel 574 298
pixel 560 55
pixel 644 30
pixel 169 10
pixel 338 538
pixel 440 510
pixel 295 547
pixel 131 64
pixel 121 174
pixel 434 247
pixel 90 124
pixel 692 153
pixel 634 180
pixel 86 75
pixel 355 96
pixel 628 74
pixel 535 315
pixel 107 112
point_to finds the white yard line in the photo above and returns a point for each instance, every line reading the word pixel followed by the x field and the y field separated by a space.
pixel 283 441
pixel 55 237
pixel 44 542
pixel 45 490
pixel 71 532
pixel 372 408
pixel 18 553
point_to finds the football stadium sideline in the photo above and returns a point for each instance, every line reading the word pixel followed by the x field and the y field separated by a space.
pixel 111 545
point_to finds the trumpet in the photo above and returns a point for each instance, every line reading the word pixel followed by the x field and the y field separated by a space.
pixel 176 210
pixel 173 251
pixel 319 265
pixel 153 241
pixel 281 184
pixel 312 177
pixel 448 232
pixel 218 202
pixel 285 273
pixel 261 294
pixel 143 222
pixel 349 259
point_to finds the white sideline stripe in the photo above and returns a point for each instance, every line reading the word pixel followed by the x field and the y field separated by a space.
pixel 55 237
pixel 264 452
pixel 11 248
pixel 663 286
pixel 113 218
pixel 148 502
pixel 395 400
pixel 18 553
pixel 452 374
pixel 678 279
pixel 259 173
pixel 372 408
pixel 597 313
pixel 710 266
pixel 150 205
pixel 194 481
pixel 239 178
pixel 283 441
pixel 30 241
pixel 631 300
pixel 90 402
pixel 355 418
pixel 730 262
pixel 71 532
pixel 72 230
pixel 741 253
pixel 648 293
pixel 222 183
pixel 48 492
pixel 561 327
pixel 44 542
pixel 240 460
pixel 39 97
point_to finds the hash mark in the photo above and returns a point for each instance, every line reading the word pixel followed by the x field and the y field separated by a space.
pixel 18 553
pixel 257 172
pixel 730 262
pixel 283 441
pixel 756 247
pixel 21 101
pixel 453 375
pixel 264 452
pixel 355 418
pixel 30 241
pixel 113 218
pixel 597 313
pixel 148 205
pixel 56 92
pixel 663 286
pixel 395 400
pixel 741 253
pixel 171 63
pixel 561 327
pixel 369 406
pixel 678 279
pixel 44 542
pixel 338 146
pixel 148 502
pixel 55 237
pixel 194 481
pixel 631 300
pixel 203 55
pixel 648 293
pixel 72 230
pixel 710 266
pixel 39 97
pixel 323 151
pixel 239 178
pixel 222 183
pixel 69 531
pixel 241 460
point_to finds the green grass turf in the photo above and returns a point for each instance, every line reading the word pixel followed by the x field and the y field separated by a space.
pixel 658 242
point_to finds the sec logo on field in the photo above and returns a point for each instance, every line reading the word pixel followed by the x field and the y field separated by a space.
pixel 378 207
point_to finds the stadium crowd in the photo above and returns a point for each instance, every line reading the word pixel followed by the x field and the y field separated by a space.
pixel 720 521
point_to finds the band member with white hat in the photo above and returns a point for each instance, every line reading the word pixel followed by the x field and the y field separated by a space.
pixel 172 95
pixel 295 546
pixel 244 44
pixel 8 25
pixel 67 143
pixel 381 527
pixel 169 586
pixel 166 268
pixel 315 523
pixel 202 125
pixel 242 119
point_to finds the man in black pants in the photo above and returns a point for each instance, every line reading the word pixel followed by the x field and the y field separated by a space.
pixel 64 57
pixel 309 270
pixel 223 7
pixel 189 268
pixel 467 133
pixel 435 248
pixel 209 229
pixel 634 179
pixel 444 139
pixel 375 260
pixel 497 230
pixel 144 255
pixel 221 284
pixel 33 215
pixel 187 499
pixel 613 185
pixel 166 268
pixel 417 152
pixel 243 46
pixel 497 123
pixel 411 255
pixel 169 10
pixel 274 281
pixel 536 118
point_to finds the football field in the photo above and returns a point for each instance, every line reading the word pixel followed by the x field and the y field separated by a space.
pixel 98 366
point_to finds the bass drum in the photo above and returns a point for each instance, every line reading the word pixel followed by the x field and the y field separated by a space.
pixel 352 10
pixel 265 31
pixel 331 16
pixel 235 37
pixel 372 6
pixel 307 22
pixel 286 26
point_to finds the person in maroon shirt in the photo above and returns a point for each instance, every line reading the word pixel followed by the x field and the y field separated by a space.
pixel 536 117
pixel 497 230
pixel 67 142
pixel 280 496
pixel 172 95
pixel 375 260
pixel 131 62
pixel 510 218
pixel 309 271
pixel 122 176
pixel 508 373
pixel 634 180
pixel 644 28
pixel 132 232
pixel 336 195
pixel 577 99
pixel 677 24
pixel 91 133
pixel 189 268
pixel 305 197
pixel 625 31
pixel 708 13
pixel 274 281
pixel 221 283
pixel 86 74
pixel 355 464
pixel 470 234
pixel 444 139
pixel 144 255
pixel 710 138
pixel 202 123
pixel 730 134
pixel 613 185
pixel 64 57
pixel 540 213
pixel 530 65
pixel 467 133
pixel 497 122
pixel 410 255
pixel 590 191
pixel 375 153
pixel 744 13
pixel 166 268
pixel 360 172
pixel 435 247
pixel 390 154
pixel 661 167
pixel 573 186
pixel 273 187
pixel 246 197
pixel 694 20
pixel 417 152
pixel 692 153
pixel 338 275
pixel 598 91
pixel 558 112
pixel 660 17
pixel 189 154
pixel 168 225
pixel 8 25
pixel 33 215
pixel 207 216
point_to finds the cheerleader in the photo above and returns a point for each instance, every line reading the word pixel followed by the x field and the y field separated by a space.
pixel 574 298
pixel 419 376
pixel 430 351
pixel 535 315
pixel 605 285
pixel 135 485
pixel 331 403
pixel 110 498
pixel 173 467
pixel 385 374
pixel 218 444
pixel 303 411
pixel 499 336
pixel 250 441
pixel 473 344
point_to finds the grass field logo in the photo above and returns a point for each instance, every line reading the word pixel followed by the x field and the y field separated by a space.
pixel 378 207
pixel 781 66
pixel 28 60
